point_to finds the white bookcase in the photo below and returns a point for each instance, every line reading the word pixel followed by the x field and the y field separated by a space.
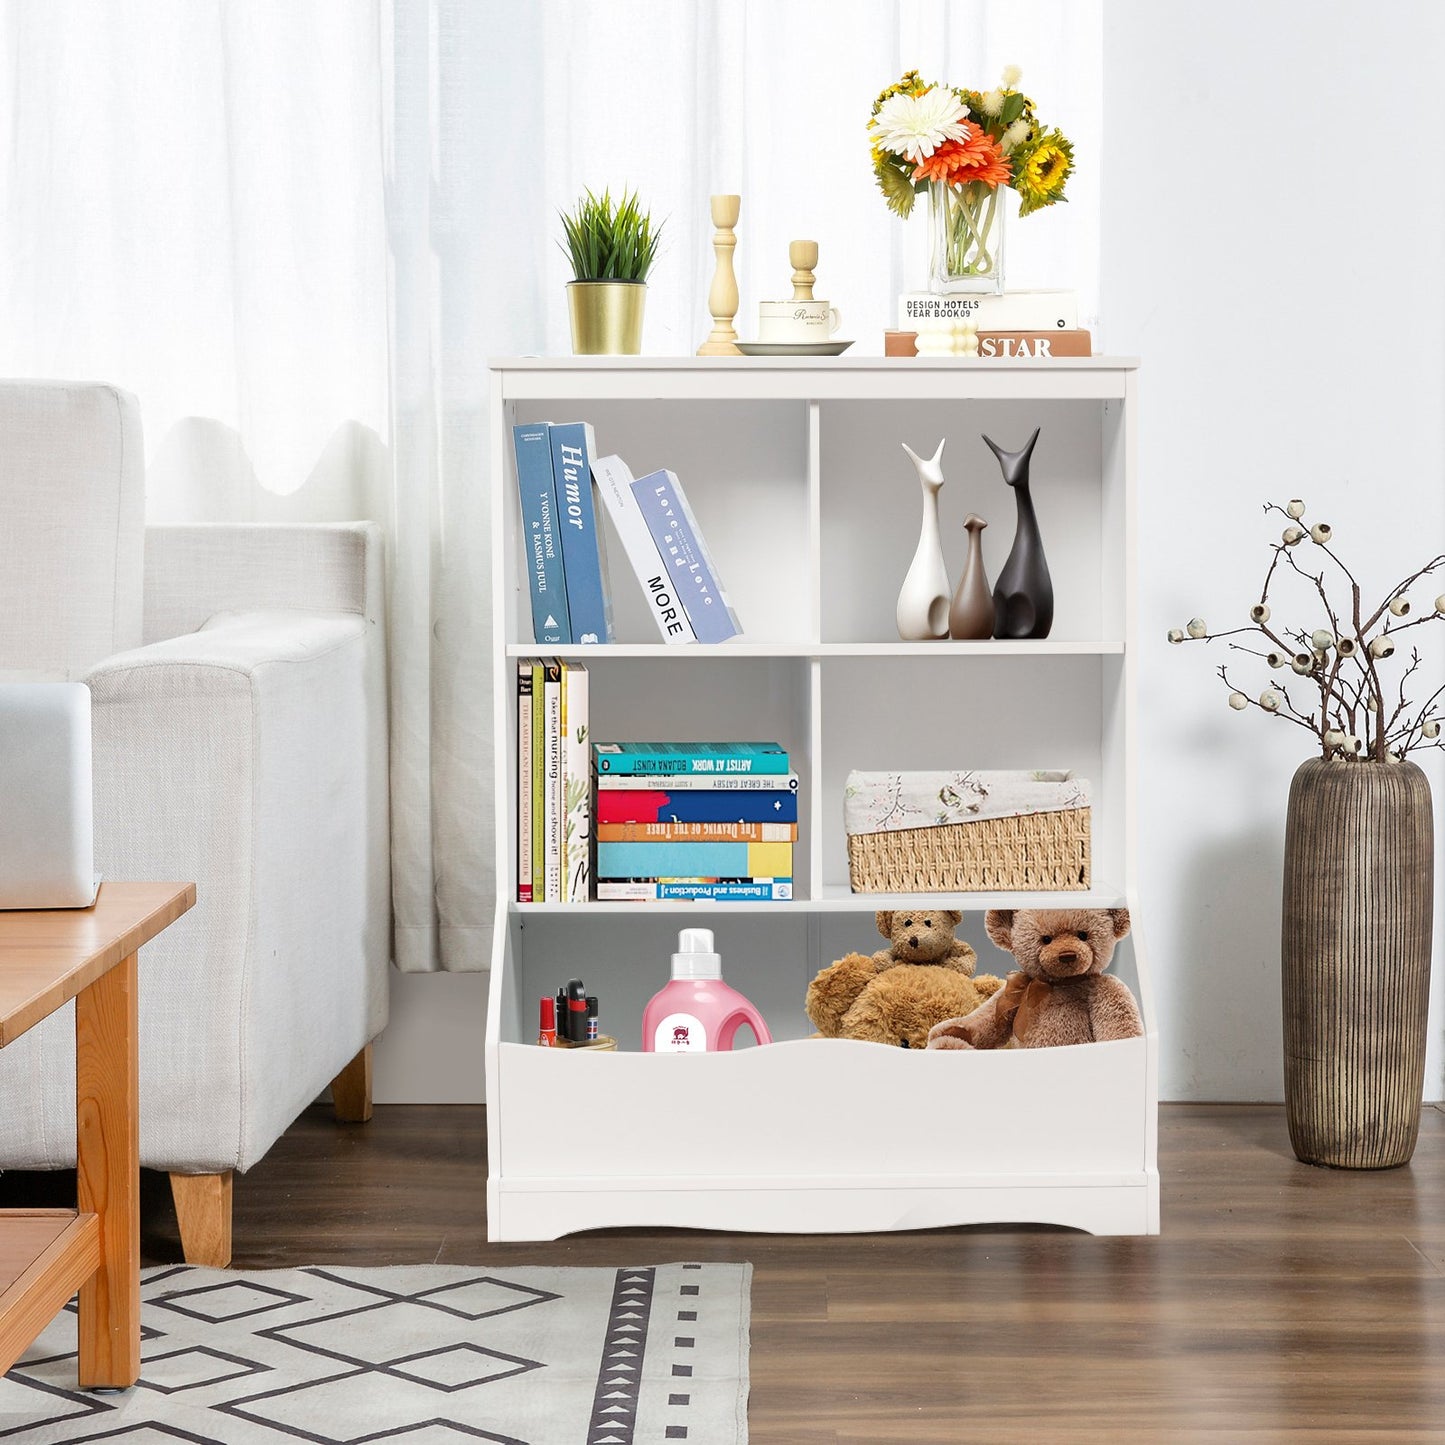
pixel 811 509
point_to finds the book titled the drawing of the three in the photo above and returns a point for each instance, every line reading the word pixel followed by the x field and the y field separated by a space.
pixel 560 479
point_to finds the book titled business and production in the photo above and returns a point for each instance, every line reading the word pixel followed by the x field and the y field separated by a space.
pixel 539 782
pixel 584 560
pixel 694 860
pixel 708 890
pixel 552 782
pixel 532 447
pixel 680 543
pixel 691 759
pixel 576 786
pixel 688 805
pixel 614 485
pixel 524 781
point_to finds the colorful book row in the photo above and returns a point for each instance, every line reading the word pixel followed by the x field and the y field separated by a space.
pixel 554 785
pixel 559 476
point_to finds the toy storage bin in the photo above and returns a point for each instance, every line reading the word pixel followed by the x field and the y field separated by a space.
pixel 967 832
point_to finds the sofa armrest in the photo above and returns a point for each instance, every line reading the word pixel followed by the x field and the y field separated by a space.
pixel 192 573
pixel 249 756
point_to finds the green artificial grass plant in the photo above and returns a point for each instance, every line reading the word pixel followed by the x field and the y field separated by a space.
pixel 607 241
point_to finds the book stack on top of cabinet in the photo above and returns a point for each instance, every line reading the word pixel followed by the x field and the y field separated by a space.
pixel 709 821
pixel 559 477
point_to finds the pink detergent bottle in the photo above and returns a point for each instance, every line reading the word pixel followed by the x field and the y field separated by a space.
pixel 697 1013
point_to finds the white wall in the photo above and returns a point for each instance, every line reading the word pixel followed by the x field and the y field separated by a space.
pixel 1272 249
pixel 1272 223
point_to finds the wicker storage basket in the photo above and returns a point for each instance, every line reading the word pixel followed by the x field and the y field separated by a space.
pixel 1047 850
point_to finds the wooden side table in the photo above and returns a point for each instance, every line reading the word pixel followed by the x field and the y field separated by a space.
pixel 89 955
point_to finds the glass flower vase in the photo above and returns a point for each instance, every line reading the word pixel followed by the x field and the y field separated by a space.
pixel 967 229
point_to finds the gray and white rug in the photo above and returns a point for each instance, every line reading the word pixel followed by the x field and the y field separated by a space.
pixel 433 1355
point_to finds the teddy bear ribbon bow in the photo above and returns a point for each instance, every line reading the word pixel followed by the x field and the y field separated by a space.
pixel 1020 1000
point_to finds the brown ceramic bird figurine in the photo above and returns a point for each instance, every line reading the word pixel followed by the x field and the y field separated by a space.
pixel 972 613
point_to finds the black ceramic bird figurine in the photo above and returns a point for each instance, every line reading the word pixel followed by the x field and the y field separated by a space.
pixel 1023 595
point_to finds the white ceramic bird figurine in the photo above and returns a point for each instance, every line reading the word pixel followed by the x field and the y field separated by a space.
pixel 923 602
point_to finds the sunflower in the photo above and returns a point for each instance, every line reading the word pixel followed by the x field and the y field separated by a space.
pixel 1041 169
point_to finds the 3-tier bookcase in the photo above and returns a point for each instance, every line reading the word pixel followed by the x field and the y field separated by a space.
pixel 811 509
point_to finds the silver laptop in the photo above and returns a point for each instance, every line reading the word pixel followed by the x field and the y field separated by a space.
pixel 47 855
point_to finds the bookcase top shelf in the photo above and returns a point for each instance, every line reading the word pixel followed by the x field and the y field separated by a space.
pixel 802 378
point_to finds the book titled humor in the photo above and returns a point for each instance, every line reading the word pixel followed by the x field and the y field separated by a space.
pixel 584 561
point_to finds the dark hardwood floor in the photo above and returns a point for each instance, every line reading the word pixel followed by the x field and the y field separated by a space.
pixel 1281 1303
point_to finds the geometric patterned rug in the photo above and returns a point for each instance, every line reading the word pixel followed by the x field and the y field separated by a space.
pixel 425 1355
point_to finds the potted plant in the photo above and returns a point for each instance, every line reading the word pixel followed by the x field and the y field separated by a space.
pixel 962 147
pixel 1359 853
pixel 611 246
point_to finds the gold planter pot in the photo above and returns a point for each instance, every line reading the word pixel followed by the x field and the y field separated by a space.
pixel 606 317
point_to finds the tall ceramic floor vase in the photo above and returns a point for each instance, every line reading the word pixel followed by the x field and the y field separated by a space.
pixel 1023 595
pixel 1358 896
pixel 923 602
pixel 971 615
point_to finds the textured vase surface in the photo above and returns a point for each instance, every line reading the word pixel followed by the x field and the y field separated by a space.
pixel 1358 896
pixel 971 616
pixel 1023 596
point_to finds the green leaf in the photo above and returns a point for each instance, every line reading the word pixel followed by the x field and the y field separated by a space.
pixel 897 187
pixel 607 241
pixel 1013 107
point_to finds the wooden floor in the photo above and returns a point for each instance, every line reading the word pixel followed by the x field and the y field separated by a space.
pixel 1282 1303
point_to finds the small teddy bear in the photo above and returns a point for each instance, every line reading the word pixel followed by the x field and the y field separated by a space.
pixel 899 993
pixel 1059 994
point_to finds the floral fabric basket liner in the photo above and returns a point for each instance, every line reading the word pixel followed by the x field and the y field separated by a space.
pixel 893 802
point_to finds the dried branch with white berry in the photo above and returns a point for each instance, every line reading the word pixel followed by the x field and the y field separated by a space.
pixel 1341 658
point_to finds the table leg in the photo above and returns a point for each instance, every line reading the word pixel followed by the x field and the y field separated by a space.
pixel 107 1130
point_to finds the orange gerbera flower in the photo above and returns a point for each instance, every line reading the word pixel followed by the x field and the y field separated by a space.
pixel 976 157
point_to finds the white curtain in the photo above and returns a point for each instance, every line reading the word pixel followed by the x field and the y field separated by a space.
pixel 298 228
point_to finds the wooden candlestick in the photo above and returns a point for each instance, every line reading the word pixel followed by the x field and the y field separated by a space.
pixel 804 256
pixel 722 296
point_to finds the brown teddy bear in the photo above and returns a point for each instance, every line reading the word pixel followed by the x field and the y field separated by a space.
pixel 899 993
pixel 1059 993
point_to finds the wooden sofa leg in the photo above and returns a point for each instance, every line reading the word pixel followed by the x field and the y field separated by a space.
pixel 203 1211
pixel 351 1090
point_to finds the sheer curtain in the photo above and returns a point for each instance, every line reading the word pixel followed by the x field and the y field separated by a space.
pixel 298 228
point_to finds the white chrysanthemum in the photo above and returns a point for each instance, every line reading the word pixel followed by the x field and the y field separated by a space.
pixel 993 102
pixel 1011 77
pixel 916 125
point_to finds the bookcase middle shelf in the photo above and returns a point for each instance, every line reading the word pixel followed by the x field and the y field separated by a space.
pixel 721 652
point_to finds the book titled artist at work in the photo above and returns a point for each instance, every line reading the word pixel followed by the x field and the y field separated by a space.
pixel 691 759
pixel 584 558
pixel 537 494
pixel 680 543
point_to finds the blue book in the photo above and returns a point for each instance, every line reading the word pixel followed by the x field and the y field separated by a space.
pixel 533 450
pixel 664 806
pixel 633 759
pixel 680 544
pixel 584 561
pixel 694 860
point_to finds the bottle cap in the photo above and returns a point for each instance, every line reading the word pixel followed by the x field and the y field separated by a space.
pixel 695 957
pixel 549 1013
